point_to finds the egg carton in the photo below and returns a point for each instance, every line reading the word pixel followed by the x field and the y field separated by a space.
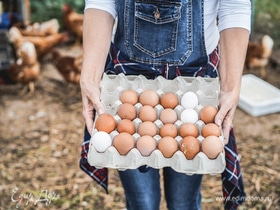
pixel 207 91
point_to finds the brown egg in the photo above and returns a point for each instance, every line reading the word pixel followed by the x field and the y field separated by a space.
pixel 147 128
pixel 212 147
pixel 168 116
pixel 168 146
pixel 168 130
pixel 129 96
pixel 127 111
pixel 190 146
pixel 169 100
pixel 105 122
pixel 211 129
pixel 149 97
pixel 127 126
pixel 188 129
pixel 208 114
pixel 146 145
pixel 147 113
pixel 123 143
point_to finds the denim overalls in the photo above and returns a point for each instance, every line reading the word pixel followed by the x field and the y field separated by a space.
pixel 160 37
pixel 163 37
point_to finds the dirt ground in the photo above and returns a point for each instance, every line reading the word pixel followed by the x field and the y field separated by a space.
pixel 41 134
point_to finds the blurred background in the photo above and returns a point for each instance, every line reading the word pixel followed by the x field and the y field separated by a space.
pixel 41 127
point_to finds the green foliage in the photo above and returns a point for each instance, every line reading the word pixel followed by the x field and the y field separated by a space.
pixel 42 10
pixel 267 18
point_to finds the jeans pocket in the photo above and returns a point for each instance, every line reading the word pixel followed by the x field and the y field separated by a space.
pixel 156 26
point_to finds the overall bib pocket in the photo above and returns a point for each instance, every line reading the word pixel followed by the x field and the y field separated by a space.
pixel 156 26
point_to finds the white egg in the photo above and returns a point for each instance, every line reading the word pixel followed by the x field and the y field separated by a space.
pixel 101 141
pixel 189 100
pixel 189 116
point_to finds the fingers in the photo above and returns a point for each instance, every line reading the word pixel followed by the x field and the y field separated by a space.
pixel 226 126
pixel 88 114
pixel 224 119
pixel 91 106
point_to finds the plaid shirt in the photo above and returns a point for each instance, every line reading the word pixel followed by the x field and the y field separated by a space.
pixel 232 183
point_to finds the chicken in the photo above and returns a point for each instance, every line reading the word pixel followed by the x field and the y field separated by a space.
pixel 41 29
pixel 68 66
pixel 43 45
pixel 258 54
pixel 72 22
pixel 26 69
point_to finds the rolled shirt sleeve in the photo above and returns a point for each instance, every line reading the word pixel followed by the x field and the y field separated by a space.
pixel 106 5
pixel 234 13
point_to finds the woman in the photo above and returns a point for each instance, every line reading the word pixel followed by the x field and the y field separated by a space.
pixel 168 38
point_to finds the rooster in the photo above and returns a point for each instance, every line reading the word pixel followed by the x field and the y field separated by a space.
pixel 43 45
pixel 72 22
pixel 26 69
pixel 68 66
pixel 258 54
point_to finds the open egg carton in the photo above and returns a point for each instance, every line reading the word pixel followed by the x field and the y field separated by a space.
pixel 206 90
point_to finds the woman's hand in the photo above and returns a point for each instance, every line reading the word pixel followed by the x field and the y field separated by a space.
pixel 91 103
pixel 227 106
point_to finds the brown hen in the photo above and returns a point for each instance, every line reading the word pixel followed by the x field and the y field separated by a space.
pixel 41 28
pixel 68 66
pixel 72 22
pixel 258 54
pixel 26 69
pixel 43 45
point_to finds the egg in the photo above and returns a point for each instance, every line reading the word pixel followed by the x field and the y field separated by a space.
pixel 127 111
pixel 190 147
pixel 188 129
pixel 168 146
pixel 208 114
pixel 105 122
pixel 101 141
pixel 147 128
pixel 212 147
pixel 146 145
pixel 126 125
pixel 210 129
pixel 147 113
pixel 149 97
pixel 189 116
pixel 168 130
pixel 123 142
pixel 169 100
pixel 129 96
pixel 189 100
pixel 168 116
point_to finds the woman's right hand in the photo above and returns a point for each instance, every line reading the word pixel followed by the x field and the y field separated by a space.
pixel 91 103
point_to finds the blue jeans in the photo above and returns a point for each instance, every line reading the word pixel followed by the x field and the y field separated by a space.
pixel 142 190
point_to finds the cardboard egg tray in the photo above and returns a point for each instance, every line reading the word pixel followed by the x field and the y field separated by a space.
pixel 206 89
